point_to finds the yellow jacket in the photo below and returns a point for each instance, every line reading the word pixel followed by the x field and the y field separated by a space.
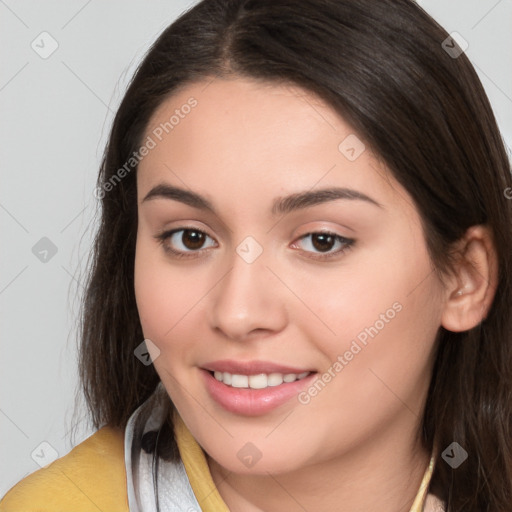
pixel 92 478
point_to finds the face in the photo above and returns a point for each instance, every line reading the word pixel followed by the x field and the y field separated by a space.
pixel 283 276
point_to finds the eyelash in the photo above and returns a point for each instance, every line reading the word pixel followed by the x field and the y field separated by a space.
pixel 165 235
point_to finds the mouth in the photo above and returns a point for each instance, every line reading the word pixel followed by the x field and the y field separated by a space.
pixel 257 381
pixel 253 388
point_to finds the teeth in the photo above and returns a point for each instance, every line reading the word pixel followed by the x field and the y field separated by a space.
pixel 275 379
pixel 258 381
pixel 239 381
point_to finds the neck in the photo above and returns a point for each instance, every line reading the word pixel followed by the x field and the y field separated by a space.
pixel 384 474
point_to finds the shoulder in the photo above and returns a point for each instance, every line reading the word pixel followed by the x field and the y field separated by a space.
pixel 90 477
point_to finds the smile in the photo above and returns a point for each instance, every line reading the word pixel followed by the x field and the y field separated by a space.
pixel 257 381
pixel 253 388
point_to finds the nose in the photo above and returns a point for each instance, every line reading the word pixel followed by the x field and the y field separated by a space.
pixel 248 301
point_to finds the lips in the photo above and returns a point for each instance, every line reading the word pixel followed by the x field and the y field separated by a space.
pixel 252 367
pixel 239 388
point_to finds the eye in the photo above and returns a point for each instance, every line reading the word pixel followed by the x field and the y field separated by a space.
pixel 184 242
pixel 324 242
pixel 188 242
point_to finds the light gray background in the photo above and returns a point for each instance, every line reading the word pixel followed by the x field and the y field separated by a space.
pixel 56 114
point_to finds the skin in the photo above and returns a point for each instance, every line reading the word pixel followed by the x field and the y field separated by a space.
pixel 243 145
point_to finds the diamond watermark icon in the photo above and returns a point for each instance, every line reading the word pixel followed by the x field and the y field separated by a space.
pixel 44 250
pixel 44 454
pixel 44 45
pixel 147 352
pixel 351 147
pixel 249 455
pixel 249 249
pixel 455 45
pixel 454 455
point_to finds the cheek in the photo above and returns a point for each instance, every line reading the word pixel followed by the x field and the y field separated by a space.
pixel 159 297
pixel 366 295
pixel 383 313
pixel 169 303
pixel 377 371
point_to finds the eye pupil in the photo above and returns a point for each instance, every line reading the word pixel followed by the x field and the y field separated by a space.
pixel 192 239
pixel 322 241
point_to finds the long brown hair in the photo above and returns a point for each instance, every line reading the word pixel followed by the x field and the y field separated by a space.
pixel 383 67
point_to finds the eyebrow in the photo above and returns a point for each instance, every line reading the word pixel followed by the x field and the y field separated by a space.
pixel 281 205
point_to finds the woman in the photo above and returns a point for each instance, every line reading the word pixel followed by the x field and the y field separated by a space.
pixel 305 229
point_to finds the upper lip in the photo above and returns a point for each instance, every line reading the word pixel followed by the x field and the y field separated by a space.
pixel 251 367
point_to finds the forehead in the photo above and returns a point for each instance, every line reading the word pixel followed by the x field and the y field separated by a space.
pixel 256 137
pixel 268 117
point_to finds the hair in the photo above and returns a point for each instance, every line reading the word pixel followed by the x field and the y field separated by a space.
pixel 382 67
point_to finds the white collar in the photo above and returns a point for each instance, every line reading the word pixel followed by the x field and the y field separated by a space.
pixel 174 491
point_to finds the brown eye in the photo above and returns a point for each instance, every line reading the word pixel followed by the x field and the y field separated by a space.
pixel 192 239
pixel 322 245
pixel 323 241
pixel 185 242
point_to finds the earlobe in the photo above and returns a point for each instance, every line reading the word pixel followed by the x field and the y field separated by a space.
pixel 471 293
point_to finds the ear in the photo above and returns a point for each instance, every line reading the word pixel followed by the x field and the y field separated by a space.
pixel 471 291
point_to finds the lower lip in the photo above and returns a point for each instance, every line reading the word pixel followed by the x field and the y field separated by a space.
pixel 253 402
